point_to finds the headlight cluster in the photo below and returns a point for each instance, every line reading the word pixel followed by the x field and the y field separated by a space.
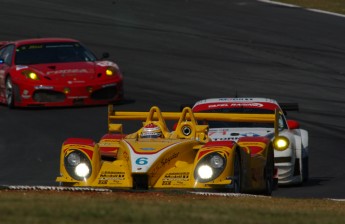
pixel 31 75
pixel 281 143
pixel 110 71
pixel 210 167
pixel 78 165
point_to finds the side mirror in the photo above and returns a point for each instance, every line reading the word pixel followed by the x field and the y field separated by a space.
pixel 1 61
pixel 293 124
pixel 105 55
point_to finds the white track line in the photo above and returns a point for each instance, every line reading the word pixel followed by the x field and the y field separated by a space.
pixel 227 194
pixel 52 188
pixel 295 6
pixel 92 189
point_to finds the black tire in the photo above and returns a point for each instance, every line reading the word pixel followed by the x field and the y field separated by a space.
pixel 9 92
pixel 237 174
pixel 305 169
pixel 269 173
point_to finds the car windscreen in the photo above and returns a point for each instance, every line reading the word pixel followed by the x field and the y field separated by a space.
pixel 52 53
pixel 224 124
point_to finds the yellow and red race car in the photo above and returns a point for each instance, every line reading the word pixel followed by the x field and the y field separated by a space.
pixel 186 158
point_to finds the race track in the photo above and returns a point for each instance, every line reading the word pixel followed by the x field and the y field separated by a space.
pixel 175 52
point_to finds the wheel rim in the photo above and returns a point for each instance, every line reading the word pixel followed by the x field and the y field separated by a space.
pixel 9 91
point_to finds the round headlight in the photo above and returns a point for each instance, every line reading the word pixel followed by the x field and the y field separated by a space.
pixel 281 143
pixel 216 161
pixel 73 159
pixel 82 170
pixel 209 167
pixel 205 172
pixel 78 165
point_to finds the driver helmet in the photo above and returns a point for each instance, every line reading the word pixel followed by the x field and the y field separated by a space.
pixel 151 131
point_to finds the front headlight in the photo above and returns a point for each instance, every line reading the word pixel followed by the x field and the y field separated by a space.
pixel 217 161
pixel 205 172
pixel 210 167
pixel 111 71
pixel 73 159
pixel 78 165
pixel 82 170
pixel 281 143
pixel 31 75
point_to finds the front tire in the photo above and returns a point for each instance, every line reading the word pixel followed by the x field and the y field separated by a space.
pixel 269 173
pixel 9 92
pixel 237 174
pixel 305 169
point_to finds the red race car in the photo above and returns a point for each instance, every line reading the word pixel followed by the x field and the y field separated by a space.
pixel 56 72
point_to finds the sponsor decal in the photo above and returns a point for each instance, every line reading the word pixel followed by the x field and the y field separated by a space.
pixel 108 85
pixel 44 87
pixel 111 175
pixel 25 94
pixel 176 177
pixel 102 182
pixel 241 99
pixel 125 156
pixel 169 158
pixel 76 82
pixel 250 134
pixel 67 71
pixel 106 143
pixel 164 162
pixel 246 105
pixel 35 46
pixel 166 183
pixel 218 105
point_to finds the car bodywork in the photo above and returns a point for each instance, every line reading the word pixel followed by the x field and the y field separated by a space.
pixel 185 158
pixel 56 72
pixel 292 163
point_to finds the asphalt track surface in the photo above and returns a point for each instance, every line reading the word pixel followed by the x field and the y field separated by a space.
pixel 175 52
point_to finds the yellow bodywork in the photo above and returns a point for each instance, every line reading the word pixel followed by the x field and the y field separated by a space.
pixel 172 162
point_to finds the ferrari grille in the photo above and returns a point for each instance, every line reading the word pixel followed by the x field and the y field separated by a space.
pixel 48 96
pixel 106 93
pixel 140 182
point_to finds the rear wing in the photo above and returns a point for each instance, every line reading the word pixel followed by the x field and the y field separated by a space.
pixel 186 116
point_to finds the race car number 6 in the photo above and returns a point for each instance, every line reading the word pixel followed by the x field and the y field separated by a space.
pixel 141 161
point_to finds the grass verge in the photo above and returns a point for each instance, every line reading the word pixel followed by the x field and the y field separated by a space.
pixel 337 6
pixel 153 207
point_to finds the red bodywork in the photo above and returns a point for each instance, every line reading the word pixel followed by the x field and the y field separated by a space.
pixel 72 83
